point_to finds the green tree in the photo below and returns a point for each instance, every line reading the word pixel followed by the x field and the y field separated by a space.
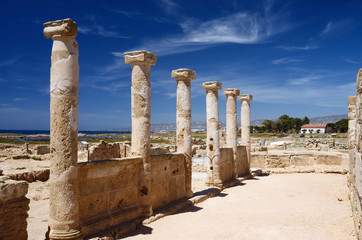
pixel 297 124
pixel 342 125
pixel 268 124
pixel 305 120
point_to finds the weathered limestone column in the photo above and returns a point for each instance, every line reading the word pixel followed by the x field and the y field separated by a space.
pixel 141 62
pixel 245 125
pixel 64 82
pixel 245 118
pixel 183 77
pixel 213 126
pixel 232 124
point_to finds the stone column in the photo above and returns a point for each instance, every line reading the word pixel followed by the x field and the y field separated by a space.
pixel 245 125
pixel 245 118
pixel 232 124
pixel 183 77
pixel 213 126
pixel 141 62
pixel 64 82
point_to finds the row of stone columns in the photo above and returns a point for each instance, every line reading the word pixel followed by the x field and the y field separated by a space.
pixel 213 126
pixel 64 79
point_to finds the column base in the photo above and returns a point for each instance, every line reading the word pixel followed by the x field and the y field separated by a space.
pixel 189 194
pixel 147 210
pixel 72 234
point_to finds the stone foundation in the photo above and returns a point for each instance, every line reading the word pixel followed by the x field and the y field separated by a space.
pixel 14 208
pixel 110 189
pixel 284 159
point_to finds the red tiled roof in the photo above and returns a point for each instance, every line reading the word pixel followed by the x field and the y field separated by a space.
pixel 314 126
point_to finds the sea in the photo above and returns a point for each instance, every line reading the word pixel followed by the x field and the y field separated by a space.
pixel 33 132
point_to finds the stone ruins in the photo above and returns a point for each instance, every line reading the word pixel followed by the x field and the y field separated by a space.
pixel 119 184
pixel 90 197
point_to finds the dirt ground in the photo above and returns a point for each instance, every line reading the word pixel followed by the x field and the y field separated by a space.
pixel 286 206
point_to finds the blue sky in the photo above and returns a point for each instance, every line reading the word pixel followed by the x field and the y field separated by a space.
pixel 295 57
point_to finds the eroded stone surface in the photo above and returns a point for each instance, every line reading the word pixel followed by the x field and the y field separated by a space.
pixel 183 120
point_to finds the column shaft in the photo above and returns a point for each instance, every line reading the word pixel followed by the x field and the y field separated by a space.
pixel 245 122
pixel 232 125
pixel 64 82
pixel 213 126
pixel 183 121
pixel 141 62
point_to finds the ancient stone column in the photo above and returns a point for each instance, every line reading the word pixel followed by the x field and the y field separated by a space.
pixel 183 77
pixel 232 124
pixel 245 118
pixel 64 82
pixel 245 125
pixel 213 126
pixel 141 62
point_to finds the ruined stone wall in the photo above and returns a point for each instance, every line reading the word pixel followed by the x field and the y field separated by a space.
pixel 104 150
pixel 108 193
pixel 292 158
pixel 242 161
pixel 167 178
pixel 226 164
pixel 14 208
pixel 354 137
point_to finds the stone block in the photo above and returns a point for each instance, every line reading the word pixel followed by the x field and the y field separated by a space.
pixel 42 149
pixel 302 160
pixel 278 161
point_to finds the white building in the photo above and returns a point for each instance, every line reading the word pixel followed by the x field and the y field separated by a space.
pixel 313 128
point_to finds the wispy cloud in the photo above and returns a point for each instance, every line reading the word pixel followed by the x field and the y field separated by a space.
pixel 237 28
pixel 286 60
pixel 298 48
pixel 169 6
pixel 9 62
pixel 96 28
pixel 4 105
pixel 299 81
pixel 350 61
pixel 335 26
pixel 20 99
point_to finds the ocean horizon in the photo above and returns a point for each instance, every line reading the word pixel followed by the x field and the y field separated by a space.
pixel 32 132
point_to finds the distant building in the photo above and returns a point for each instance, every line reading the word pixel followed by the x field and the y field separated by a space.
pixel 313 128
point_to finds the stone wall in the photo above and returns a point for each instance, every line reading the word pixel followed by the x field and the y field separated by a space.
pixel 104 150
pixel 293 158
pixel 226 164
pixel 108 193
pixel 355 150
pixel 14 208
pixel 167 178
pixel 242 161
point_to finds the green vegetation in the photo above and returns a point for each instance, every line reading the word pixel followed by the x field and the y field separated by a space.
pixel 339 127
pixel 161 140
pixel 201 135
pixel 284 124
pixel 35 158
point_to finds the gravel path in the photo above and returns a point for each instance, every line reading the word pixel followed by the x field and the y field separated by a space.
pixel 287 206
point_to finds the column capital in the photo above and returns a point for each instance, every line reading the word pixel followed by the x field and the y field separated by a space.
pixel 183 74
pixel 231 91
pixel 140 56
pixel 246 97
pixel 211 86
pixel 65 28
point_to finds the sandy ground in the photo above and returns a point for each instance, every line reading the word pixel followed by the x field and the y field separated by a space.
pixel 287 206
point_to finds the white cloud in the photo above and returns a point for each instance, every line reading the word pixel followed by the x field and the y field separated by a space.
pixel 298 48
pixel 9 62
pixel 97 29
pixel 299 81
pixel 237 28
pixel 20 99
pixel 286 60
pixel 335 27
pixel 169 6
